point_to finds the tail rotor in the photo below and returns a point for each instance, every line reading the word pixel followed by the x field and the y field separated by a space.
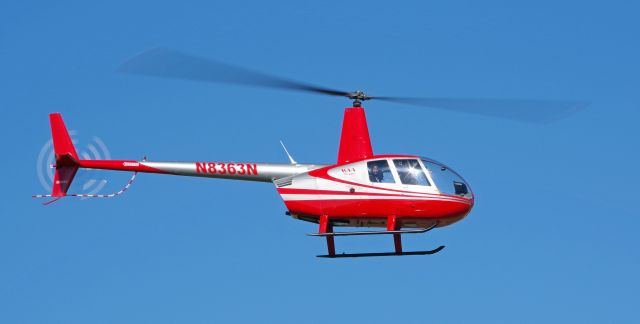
pixel 66 161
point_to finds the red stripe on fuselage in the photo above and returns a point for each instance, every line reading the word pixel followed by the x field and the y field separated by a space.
pixel 295 191
pixel 379 208
pixel 323 173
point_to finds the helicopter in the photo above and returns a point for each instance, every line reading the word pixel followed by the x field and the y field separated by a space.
pixel 395 194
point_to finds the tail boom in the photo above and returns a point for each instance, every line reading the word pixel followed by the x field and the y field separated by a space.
pixel 261 172
pixel 68 163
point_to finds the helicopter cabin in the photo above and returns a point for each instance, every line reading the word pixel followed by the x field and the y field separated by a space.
pixel 364 193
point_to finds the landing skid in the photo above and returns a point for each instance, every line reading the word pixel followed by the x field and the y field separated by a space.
pixel 393 228
pixel 415 231
pixel 379 254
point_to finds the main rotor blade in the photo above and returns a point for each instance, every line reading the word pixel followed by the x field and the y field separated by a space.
pixel 167 63
pixel 537 111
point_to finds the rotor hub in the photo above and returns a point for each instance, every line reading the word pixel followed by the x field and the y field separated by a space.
pixel 357 97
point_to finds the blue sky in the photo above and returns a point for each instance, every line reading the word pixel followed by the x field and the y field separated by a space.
pixel 552 238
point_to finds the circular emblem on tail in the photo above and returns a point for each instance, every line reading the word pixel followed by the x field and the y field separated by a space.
pixel 86 181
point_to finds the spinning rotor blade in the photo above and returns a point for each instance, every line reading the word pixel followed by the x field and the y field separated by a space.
pixel 167 63
pixel 538 111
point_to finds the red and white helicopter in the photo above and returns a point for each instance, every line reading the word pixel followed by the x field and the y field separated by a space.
pixel 402 194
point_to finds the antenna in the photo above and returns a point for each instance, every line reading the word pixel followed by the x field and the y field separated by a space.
pixel 289 155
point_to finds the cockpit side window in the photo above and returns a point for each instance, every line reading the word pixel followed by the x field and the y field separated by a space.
pixel 379 172
pixel 410 172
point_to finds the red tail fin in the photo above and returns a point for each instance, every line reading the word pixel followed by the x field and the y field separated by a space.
pixel 66 156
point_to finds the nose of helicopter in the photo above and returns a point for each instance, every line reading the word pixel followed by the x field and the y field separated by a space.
pixel 462 207
pixel 449 182
pixel 453 209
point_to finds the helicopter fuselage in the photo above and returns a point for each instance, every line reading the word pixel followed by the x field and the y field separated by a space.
pixel 419 192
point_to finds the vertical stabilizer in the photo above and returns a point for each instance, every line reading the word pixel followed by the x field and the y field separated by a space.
pixel 66 156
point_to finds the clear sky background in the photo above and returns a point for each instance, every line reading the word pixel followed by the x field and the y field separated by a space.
pixel 553 236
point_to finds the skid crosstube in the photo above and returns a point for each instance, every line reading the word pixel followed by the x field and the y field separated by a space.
pixel 393 228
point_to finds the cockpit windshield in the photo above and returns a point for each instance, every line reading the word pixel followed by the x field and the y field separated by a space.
pixel 410 172
pixel 447 180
